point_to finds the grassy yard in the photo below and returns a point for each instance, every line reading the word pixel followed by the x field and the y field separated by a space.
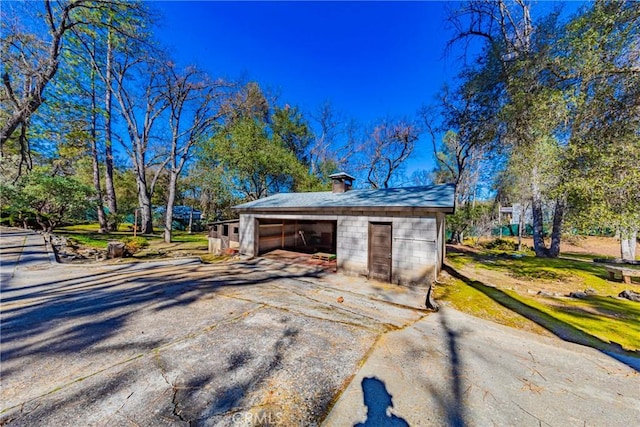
pixel 182 243
pixel 532 293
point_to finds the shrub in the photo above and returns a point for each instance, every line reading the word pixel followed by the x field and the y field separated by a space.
pixel 501 245
pixel 134 244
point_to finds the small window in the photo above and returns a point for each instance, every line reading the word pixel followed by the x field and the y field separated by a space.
pixel 215 228
pixel 225 230
pixel 235 230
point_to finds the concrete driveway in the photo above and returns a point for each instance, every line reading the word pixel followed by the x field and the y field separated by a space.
pixel 261 343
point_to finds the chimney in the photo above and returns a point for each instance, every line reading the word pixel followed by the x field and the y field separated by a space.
pixel 342 182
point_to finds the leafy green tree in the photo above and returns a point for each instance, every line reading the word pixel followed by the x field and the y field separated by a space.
pixel 291 131
pixel 603 84
pixel 32 58
pixel 515 63
pixel 95 49
pixel 256 165
pixel 258 150
pixel 51 199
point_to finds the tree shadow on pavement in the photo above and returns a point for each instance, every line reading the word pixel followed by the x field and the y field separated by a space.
pixel 78 319
pixel 447 390
pixel 454 408
pixel 72 315
pixel 559 328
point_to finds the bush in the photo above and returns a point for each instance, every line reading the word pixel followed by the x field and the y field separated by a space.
pixel 501 245
pixel 134 244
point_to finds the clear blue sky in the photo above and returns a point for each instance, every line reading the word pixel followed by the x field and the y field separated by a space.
pixel 371 60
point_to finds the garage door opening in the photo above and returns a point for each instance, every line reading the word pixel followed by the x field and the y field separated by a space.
pixel 304 236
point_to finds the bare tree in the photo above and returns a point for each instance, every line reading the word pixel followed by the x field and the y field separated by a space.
pixel 389 144
pixel 140 110
pixel 468 136
pixel 334 142
pixel 193 111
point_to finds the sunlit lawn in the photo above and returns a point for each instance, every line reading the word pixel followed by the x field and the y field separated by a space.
pixel 88 235
pixel 504 289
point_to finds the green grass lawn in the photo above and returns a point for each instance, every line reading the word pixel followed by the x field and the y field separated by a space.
pixel 88 235
pixel 504 289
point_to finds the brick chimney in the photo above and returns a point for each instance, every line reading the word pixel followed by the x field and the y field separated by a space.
pixel 342 182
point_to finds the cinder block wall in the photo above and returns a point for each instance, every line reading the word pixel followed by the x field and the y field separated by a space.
pixel 352 245
pixel 248 235
pixel 414 248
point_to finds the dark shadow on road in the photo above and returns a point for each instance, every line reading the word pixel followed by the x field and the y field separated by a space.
pixel 448 391
pixel 561 329
pixel 454 408
pixel 98 305
pixel 251 371
pixel 378 401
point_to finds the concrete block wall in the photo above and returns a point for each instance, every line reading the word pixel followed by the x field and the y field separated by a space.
pixel 415 250
pixel 414 247
pixel 352 244
pixel 216 245
pixel 416 243
pixel 248 235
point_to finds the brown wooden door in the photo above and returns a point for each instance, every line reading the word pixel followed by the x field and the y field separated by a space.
pixel 380 251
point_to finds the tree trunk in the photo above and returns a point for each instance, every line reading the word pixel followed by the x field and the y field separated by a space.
pixel 538 220
pixel 40 221
pixel 628 239
pixel 108 142
pixel 168 218
pixel 102 220
pixel 144 200
pixel 95 163
pixel 520 225
pixel 538 233
pixel 556 233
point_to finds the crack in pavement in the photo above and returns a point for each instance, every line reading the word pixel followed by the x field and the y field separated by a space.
pixel 174 389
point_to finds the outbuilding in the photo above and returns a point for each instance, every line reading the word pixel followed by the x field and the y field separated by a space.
pixel 394 234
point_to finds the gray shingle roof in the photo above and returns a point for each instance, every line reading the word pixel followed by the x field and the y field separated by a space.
pixel 438 197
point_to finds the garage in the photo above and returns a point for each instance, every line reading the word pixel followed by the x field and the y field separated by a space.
pixel 390 234
pixel 304 236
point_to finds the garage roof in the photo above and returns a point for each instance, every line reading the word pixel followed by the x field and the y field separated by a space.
pixel 435 197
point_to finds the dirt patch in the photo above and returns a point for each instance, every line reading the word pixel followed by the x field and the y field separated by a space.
pixel 592 245
pixel 299 258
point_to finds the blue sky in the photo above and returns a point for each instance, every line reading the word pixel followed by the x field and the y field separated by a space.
pixel 371 60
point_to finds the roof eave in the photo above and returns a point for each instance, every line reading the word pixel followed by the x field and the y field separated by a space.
pixel 332 209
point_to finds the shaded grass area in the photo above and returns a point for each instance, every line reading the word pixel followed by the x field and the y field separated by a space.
pixel 602 320
pixel 472 301
pixel 559 272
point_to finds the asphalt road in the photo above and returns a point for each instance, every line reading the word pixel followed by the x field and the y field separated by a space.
pixel 260 343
